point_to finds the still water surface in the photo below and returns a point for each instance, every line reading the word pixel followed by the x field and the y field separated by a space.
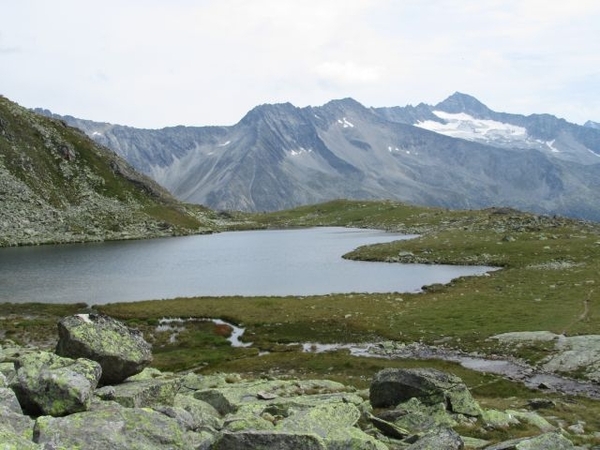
pixel 249 263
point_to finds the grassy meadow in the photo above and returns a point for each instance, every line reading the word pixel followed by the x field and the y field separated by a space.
pixel 547 280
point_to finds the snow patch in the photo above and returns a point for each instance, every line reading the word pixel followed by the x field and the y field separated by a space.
pixel 465 126
pixel 300 151
pixel 96 133
pixel 344 122
pixel 551 146
pixel 224 144
pixel 593 153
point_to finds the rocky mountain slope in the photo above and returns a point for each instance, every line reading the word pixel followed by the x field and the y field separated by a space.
pixel 57 185
pixel 457 154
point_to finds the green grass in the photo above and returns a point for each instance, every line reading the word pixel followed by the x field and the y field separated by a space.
pixel 547 281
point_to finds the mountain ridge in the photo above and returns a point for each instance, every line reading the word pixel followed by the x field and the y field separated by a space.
pixel 458 154
pixel 58 185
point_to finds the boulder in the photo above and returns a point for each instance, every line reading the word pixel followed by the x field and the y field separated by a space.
pixel 204 416
pixel 553 440
pixel 8 399
pixel 272 440
pixel 141 394
pixel 16 423
pixel 333 422
pixel 439 439
pixel 112 427
pixel 121 351
pixel 52 385
pixel 393 386
pixel 12 441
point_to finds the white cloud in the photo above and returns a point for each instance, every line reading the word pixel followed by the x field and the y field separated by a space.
pixel 347 72
pixel 156 63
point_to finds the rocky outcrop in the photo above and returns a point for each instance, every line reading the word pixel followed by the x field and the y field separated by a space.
pixel 56 185
pixel 393 386
pixel 413 409
pixel 120 351
pixel 49 384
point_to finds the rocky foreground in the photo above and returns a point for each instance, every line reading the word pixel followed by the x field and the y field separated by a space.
pixel 96 392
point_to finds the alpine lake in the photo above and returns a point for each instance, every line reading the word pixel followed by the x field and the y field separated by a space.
pixel 546 281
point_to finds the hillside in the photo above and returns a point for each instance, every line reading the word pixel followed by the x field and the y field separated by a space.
pixel 456 154
pixel 57 185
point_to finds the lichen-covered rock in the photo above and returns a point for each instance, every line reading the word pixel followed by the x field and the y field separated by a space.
pixel 52 385
pixel 114 428
pixel 204 416
pixel 546 441
pixel 439 439
pixel 229 397
pixel 121 351
pixel 532 419
pixel 8 399
pixel 12 441
pixel 333 422
pixel 140 394
pixel 7 372
pixel 16 423
pixel 417 417
pixel 271 440
pixel 393 386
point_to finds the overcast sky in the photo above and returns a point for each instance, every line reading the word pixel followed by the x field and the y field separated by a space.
pixel 156 63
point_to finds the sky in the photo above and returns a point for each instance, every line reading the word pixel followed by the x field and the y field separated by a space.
pixel 158 63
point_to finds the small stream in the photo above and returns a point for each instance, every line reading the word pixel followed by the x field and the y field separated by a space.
pixel 514 370
pixel 511 369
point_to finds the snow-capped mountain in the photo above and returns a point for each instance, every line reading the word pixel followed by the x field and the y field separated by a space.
pixel 464 117
pixel 457 154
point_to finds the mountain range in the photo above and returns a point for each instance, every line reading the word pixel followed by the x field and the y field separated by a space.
pixel 456 154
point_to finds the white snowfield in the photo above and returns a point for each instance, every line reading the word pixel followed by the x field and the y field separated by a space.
pixel 505 135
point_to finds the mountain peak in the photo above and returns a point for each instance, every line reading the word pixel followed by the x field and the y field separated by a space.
pixel 459 103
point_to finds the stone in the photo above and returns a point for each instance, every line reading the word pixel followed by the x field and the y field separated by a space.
pixel 204 416
pixel 271 440
pixel 416 417
pixel 333 422
pixel 112 427
pixel 121 351
pixel 16 423
pixel 8 399
pixel 53 385
pixel 227 398
pixel 393 386
pixel 532 419
pixel 141 394
pixel 439 439
pixel 553 440
pixel 494 419
pixel 12 441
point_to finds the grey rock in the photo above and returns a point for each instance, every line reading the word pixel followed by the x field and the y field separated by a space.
pixel 265 440
pixel 439 439
pixel 9 440
pixel 204 416
pixel 390 387
pixel 546 441
pixel 114 428
pixel 121 351
pixel 53 385
pixel 16 423
pixel 8 399
pixel 141 394
pixel 333 422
